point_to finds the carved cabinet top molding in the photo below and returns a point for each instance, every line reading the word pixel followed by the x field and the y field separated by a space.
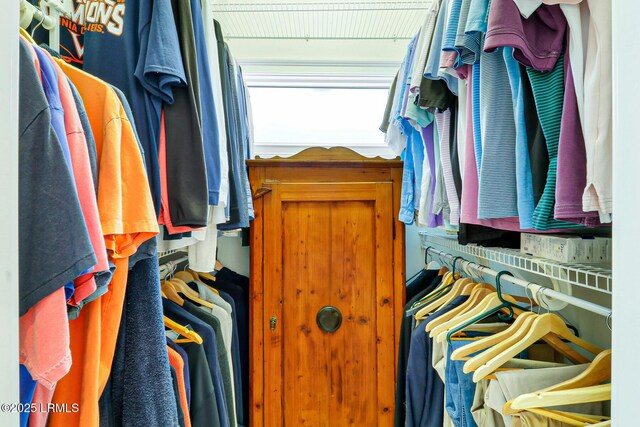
pixel 319 156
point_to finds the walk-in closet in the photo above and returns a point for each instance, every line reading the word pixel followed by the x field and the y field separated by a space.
pixel 370 213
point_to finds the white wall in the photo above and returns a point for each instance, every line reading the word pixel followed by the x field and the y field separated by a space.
pixel 9 19
pixel 626 199
pixel 233 255
pixel 415 254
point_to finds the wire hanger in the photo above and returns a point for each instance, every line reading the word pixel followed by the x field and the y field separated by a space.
pixel 43 17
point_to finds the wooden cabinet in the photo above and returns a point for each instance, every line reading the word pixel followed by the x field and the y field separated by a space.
pixel 327 284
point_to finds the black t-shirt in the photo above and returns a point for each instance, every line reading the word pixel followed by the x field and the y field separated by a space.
pixel 186 171
pixel 201 409
pixel 223 355
pixel 237 286
pixel 538 154
pixel 453 150
pixel 435 95
pixel 425 282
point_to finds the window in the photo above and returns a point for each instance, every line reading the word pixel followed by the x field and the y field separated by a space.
pixel 289 119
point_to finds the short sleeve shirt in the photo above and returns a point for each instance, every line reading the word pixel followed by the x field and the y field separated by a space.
pixel 54 243
pixel 135 48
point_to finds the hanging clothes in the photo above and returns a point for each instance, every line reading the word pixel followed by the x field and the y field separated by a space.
pixel 520 124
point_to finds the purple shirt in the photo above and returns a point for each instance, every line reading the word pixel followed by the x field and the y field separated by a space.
pixel 537 41
pixel 572 161
pixel 427 137
pixel 50 86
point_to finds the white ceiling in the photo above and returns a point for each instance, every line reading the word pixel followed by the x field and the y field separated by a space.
pixel 379 20
pixel 294 36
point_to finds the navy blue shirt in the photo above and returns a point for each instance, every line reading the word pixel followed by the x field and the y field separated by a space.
pixel 237 286
pixel 185 358
pixel 235 356
pixel 137 51
pixel 425 389
pixel 180 315
pixel 209 122
pixel 417 287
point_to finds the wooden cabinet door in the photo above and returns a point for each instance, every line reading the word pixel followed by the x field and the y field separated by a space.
pixel 328 244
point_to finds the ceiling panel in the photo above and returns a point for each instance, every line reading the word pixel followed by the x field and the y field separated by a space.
pixel 307 20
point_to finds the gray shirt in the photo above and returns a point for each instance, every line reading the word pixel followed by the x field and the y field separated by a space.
pixel 54 241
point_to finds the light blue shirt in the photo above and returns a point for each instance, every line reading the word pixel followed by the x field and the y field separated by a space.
pixel 497 194
pixel 449 43
pixel 397 119
pixel 418 161
pixel 432 68
pixel 523 165
pixel 407 195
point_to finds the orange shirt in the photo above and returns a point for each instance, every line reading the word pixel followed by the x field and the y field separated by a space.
pixel 84 285
pixel 178 364
pixel 128 219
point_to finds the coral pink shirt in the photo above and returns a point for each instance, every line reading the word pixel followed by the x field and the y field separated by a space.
pixel 84 285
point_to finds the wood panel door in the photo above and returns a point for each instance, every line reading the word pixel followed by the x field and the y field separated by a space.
pixel 328 245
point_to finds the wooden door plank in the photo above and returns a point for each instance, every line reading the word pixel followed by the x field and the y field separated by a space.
pixel 386 341
pixel 399 265
pixel 353 346
pixel 272 259
pixel 307 351
pixel 328 192
pixel 256 309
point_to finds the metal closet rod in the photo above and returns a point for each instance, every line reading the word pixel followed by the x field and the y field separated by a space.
pixel 546 292
pixel 167 267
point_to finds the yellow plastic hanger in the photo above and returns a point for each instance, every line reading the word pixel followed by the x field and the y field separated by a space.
pixel 490 341
pixel 439 291
pixel 192 336
pixel 497 343
pixel 185 276
pixel 202 275
pixel 568 418
pixel 27 36
pixel 182 288
pixel 543 325
pixel 597 372
pixel 542 399
pixel 467 312
pixel 490 302
pixel 602 424
pixel 443 299
pixel 459 287
pixel 477 295
pixel 516 332
pixel 169 290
